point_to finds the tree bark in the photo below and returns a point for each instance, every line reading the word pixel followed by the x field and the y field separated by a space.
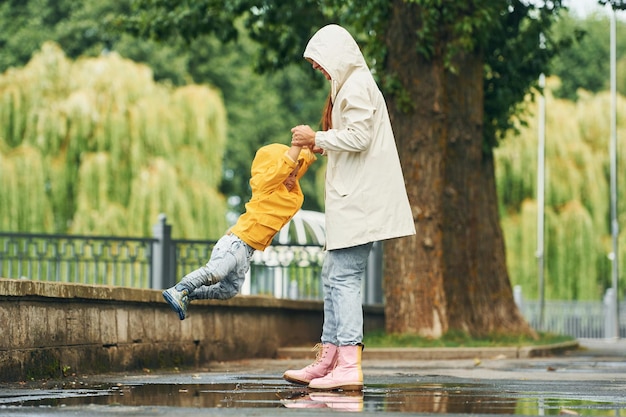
pixel 452 275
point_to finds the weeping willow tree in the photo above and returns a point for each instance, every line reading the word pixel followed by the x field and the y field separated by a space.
pixel 95 146
pixel 577 200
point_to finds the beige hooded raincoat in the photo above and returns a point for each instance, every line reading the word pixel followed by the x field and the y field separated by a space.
pixel 366 199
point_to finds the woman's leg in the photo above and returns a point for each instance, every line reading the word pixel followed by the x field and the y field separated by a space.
pixel 329 328
pixel 345 276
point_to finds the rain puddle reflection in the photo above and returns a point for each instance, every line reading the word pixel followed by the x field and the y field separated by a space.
pixel 466 398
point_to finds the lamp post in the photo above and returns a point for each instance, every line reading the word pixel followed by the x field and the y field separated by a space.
pixel 540 196
pixel 614 256
pixel 541 162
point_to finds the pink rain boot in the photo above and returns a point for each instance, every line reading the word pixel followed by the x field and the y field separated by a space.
pixel 347 375
pixel 325 361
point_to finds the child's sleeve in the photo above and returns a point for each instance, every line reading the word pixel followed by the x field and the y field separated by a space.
pixel 308 158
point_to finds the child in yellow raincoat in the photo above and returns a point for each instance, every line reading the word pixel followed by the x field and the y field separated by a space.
pixel 276 197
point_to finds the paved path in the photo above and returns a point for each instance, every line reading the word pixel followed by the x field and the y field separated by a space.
pixel 589 381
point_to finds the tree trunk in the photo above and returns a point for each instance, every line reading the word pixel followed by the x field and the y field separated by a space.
pixel 452 275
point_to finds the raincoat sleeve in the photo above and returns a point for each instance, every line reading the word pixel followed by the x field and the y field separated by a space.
pixel 307 158
pixel 354 104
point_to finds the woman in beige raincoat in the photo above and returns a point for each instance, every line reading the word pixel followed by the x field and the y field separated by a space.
pixel 366 200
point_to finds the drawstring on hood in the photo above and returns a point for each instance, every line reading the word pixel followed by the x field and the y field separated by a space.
pixel 335 50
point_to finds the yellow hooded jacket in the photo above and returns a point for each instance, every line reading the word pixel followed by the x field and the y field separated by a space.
pixel 271 205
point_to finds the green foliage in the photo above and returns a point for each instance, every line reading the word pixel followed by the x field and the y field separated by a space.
pixel 516 53
pixel 107 149
pixel 615 4
pixel 586 64
pixel 162 19
pixel 577 230
pixel 459 339
pixel 260 108
pixel 80 27
pixel 505 33
pixel 466 26
pixel 572 250
pixel 520 231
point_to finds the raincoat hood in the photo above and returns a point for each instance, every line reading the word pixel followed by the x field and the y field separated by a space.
pixel 335 50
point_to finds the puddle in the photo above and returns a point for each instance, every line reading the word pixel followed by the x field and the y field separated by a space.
pixel 462 398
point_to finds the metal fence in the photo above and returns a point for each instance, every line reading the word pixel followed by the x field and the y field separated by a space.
pixel 283 271
pixel 582 319
pixel 154 262
pixel 118 261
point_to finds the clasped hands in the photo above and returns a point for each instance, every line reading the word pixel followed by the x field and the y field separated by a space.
pixel 303 135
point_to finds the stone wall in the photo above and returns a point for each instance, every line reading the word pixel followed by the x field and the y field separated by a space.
pixel 50 329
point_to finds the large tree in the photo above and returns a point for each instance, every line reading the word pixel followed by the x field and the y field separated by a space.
pixel 455 74
pixel 453 60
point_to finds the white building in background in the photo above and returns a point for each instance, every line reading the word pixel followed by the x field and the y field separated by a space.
pixel 305 228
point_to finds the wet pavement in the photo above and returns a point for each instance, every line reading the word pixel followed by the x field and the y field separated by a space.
pixel 590 381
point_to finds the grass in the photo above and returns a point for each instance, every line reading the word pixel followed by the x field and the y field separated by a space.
pixel 458 339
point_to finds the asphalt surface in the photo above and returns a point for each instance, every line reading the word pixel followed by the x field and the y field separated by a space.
pixel 589 380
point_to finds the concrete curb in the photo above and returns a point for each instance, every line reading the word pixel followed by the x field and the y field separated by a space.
pixel 513 352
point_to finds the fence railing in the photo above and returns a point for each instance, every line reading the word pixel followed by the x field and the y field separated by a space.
pixel 120 261
pixel 283 271
pixel 155 262
pixel 582 319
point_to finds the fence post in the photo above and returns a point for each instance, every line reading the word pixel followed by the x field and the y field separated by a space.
pixel 163 264
pixel 609 314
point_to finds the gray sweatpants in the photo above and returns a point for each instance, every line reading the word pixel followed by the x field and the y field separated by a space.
pixel 222 277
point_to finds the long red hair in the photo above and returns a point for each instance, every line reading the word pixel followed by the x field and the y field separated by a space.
pixel 327 120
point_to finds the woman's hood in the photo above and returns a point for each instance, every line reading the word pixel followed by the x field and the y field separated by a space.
pixel 335 50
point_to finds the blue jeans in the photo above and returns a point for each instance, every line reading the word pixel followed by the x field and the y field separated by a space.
pixel 342 274
pixel 222 277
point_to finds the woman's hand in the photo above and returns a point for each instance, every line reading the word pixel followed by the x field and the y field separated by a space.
pixel 303 135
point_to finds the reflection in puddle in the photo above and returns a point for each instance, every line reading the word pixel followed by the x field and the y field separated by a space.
pixel 272 393
pixel 344 401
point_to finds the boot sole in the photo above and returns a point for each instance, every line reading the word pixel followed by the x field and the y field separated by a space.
pixel 295 381
pixel 174 305
pixel 344 387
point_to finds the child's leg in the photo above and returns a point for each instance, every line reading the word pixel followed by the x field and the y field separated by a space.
pixel 231 283
pixel 223 290
pixel 223 260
